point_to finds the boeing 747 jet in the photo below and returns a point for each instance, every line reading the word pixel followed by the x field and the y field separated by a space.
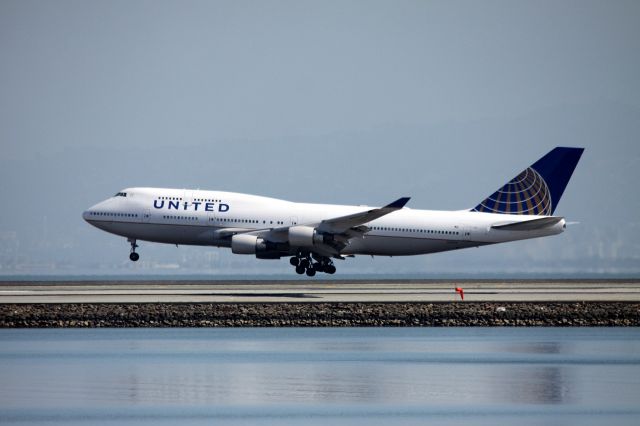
pixel 314 235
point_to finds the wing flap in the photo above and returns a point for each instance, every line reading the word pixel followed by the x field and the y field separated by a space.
pixel 229 232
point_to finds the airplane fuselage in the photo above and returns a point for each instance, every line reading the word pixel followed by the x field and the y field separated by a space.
pixel 315 234
pixel 212 218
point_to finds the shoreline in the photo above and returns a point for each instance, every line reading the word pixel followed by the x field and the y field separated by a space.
pixel 288 314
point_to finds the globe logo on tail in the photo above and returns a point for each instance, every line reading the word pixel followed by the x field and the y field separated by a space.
pixel 527 193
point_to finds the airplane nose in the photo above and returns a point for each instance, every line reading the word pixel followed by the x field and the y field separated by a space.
pixel 89 213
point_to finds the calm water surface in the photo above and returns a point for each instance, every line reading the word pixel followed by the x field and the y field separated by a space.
pixel 371 376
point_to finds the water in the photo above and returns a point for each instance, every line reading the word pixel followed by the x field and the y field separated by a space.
pixel 374 376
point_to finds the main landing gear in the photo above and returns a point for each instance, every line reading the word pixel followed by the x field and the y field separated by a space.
pixel 306 264
pixel 133 255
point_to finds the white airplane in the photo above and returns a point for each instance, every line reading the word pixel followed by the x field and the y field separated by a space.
pixel 315 234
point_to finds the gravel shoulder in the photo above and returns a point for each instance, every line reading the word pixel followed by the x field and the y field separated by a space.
pixel 85 315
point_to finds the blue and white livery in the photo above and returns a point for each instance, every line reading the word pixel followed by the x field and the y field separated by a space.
pixel 313 235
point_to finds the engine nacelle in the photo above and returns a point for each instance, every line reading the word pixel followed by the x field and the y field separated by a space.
pixel 247 244
pixel 250 244
pixel 306 236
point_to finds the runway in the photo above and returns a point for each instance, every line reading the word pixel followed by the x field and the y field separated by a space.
pixel 387 291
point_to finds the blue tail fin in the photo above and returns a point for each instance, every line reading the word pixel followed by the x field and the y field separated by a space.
pixel 537 190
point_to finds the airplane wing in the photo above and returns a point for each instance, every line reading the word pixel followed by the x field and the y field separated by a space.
pixel 341 229
pixel 229 232
pixel 338 229
pixel 339 225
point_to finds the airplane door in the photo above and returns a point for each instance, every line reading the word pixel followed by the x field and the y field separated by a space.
pixel 460 230
pixel 146 215
pixel 466 233
pixel 473 232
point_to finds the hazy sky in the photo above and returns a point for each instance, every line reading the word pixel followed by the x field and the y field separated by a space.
pixel 354 102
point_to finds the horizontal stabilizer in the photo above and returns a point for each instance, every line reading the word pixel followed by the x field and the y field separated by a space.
pixel 529 225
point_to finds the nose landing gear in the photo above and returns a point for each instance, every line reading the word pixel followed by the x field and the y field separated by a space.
pixel 133 256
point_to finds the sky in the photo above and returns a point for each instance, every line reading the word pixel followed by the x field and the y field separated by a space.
pixel 345 102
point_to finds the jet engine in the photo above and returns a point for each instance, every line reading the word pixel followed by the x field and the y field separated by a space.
pixel 307 237
pixel 251 244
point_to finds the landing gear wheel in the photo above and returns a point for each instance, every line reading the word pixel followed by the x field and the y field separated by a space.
pixel 311 272
pixel 133 256
pixel 304 263
pixel 330 269
pixel 300 269
pixel 294 261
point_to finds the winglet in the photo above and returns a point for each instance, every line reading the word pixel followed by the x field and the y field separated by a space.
pixel 398 204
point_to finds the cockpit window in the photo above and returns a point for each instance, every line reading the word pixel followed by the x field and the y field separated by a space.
pixel 121 194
